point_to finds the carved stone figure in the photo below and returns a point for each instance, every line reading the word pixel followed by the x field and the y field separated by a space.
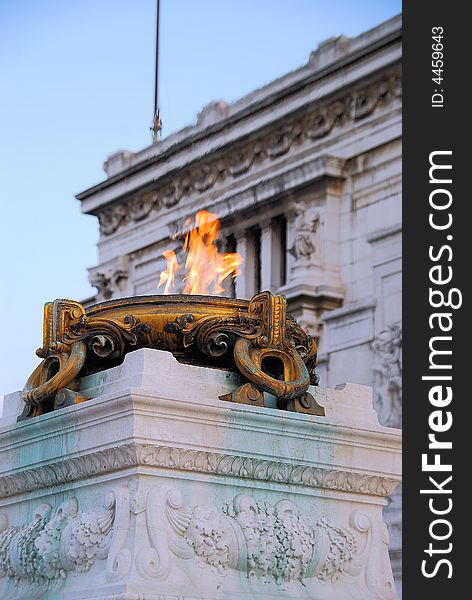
pixel 387 349
pixel 307 227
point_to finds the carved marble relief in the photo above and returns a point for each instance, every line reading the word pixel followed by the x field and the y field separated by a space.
pixel 387 349
pixel 269 542
pixel 111 280
pixel 142 204
pixel 37 557
pixel 197 461
pixel 56 542
pixel 307 225
pixel 316 123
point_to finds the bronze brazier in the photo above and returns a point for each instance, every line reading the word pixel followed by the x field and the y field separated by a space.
pixel 256 337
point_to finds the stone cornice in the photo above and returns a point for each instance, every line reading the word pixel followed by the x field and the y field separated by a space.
pixel 351 309
pixel 386 232
pixel 357 50
pixel 164 457
pixel 263 151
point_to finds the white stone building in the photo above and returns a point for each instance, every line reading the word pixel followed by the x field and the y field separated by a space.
pixel 305 174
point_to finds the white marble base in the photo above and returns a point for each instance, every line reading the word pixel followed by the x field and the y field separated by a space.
pixel 157 490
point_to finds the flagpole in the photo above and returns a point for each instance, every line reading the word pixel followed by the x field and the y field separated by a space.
pixel 157 123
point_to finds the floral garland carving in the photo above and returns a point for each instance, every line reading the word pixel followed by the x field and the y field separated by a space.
pixel 268 541
pixel 56 542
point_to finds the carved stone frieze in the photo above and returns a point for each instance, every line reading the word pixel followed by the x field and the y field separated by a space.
pixel 271 542
pixel 142 204
pixel 37 557
pixel 56 542
pixel 318 122
pixel 228 465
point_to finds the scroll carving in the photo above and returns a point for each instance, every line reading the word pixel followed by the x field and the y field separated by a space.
pixel 265 541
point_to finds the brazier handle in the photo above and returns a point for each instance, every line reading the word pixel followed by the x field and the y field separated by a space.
pixel 249 360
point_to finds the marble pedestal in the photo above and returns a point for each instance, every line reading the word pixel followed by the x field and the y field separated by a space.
pixel 157 490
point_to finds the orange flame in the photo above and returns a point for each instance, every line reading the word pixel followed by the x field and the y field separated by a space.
pixel 168 276
pixel 205 267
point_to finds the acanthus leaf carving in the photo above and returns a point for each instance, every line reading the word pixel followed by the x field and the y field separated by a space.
pixel 132 455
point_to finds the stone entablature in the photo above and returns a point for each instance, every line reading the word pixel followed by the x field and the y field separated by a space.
pixel 362 59
pixel 256 155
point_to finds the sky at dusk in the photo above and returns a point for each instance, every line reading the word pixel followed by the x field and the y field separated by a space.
pixel 77 85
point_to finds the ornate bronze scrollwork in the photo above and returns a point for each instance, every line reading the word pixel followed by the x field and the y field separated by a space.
pixel 256 337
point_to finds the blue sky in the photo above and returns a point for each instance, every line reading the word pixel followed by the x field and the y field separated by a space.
pixel 77 84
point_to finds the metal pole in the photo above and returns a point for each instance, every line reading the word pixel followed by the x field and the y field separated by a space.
pixel 157 123
pixel 156 80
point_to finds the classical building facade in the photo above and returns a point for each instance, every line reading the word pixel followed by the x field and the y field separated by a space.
pixel 305 175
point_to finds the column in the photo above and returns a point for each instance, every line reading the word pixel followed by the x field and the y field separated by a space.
pixel 245 247
pixel 273 250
